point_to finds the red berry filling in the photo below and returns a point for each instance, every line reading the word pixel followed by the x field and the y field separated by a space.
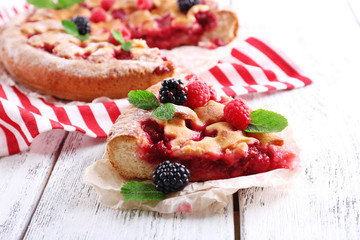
pixel 119 14
pixel 121 54
pixel 164 68
pixel 48 48
pixel 86 55
pixel 207 20
pixel 168 35
pixel 154 131
pixel 258 158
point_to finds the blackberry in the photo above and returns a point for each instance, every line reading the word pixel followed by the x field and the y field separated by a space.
pixel 173 91
pixel 170 177
pixel 185 5
pixel 83 24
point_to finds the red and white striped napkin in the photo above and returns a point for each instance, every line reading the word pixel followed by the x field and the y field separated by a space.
pixel 254 66
pixel 11 9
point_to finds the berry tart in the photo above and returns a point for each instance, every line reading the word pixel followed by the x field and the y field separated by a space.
pixel 81 50
pixel 182 122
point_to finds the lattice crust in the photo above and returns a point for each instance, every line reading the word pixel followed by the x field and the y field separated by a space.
pixel 220 137
pixel 44 30
pixel 200 138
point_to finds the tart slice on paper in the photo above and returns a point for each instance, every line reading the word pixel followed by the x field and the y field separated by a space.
pixel 223 144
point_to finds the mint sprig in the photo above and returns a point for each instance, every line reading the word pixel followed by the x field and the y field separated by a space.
pixel 264 121
pixel 164 111
pixel 71 28
pixel 143 99
pixel 60 4
pixel 147 100
pixel 140 191
pixel 126 46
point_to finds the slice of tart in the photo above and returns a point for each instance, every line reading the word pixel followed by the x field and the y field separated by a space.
pixel 209 136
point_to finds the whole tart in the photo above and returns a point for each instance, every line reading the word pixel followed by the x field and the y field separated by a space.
pixel 200 139
pixel 37 51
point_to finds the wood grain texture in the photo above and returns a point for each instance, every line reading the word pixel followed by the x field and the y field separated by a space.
pixel 320 36
pixel 70 210
pixel 23 178
pixel 325 202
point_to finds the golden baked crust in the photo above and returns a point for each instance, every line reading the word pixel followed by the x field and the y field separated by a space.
pixel 127 138
pixel 226 29
pixel 124 138
pixel 74 79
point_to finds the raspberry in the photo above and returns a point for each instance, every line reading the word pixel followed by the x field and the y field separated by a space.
pixel 185 5
pixel 198 94
pixel 98 15
pixel 173 91
pixel 213 94
pixel 237 113
pixel 144 4
pixel 170 177
pixel 125 32
pixel 82 24
pixel 107 4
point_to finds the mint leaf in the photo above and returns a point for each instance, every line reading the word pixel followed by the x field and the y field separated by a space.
pixel 126 46
pixel 264 121
pixel 61 4
pixel 141 191
pixel 43 3
pixel 143 99
pixel 120 38
pixel 71 28
pixel 147 100
pixel 82 37
pixel 164 111
pixel 65 4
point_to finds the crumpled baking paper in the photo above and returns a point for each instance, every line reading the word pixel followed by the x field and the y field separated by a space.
pixel 210 196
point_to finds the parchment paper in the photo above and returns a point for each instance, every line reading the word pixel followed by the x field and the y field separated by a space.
pixel 211 196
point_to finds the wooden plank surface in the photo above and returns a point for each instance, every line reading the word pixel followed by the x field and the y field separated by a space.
pixel 70 210
pixel 323 38
pixel 23 178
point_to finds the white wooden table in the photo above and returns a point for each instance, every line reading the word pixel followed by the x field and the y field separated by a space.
pixel 42 196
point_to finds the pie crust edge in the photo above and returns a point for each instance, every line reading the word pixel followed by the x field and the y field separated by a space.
pixel 72 79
